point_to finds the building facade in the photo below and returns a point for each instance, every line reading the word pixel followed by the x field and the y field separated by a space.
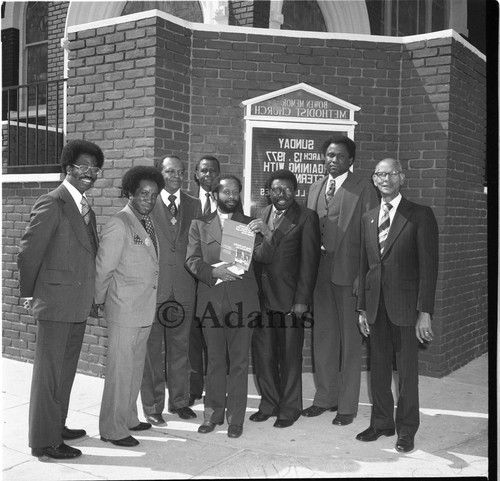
pixel 145 79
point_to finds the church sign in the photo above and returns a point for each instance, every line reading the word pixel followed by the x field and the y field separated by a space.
pixel 285 130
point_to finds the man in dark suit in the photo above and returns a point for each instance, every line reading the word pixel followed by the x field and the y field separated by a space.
pixel 288 260
pixel 398 276
pixel 206 170
pixel 228 306
pixel 57 274
pixel 172 216
pixel 340 199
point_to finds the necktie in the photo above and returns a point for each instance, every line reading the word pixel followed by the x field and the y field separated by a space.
pixel 85 210
pixel 86 218
pixel 172 207
pixel 206 209
pixel 148 225
pixel 277 217
pixel 383 226
pixel 330 192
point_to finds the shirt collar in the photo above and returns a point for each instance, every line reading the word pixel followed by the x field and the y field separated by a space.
pixel 75 193
pixel 223 215
pixel 394 202
pixel 164 196
pixel 338 180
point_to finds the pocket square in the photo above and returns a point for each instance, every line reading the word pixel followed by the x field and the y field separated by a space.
pixel 137 239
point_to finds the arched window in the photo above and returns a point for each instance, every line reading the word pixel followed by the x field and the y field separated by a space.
pixel 407 17
pixel 36 53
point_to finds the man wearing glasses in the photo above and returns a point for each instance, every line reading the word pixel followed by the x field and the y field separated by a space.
pixel 56 276
pixel 287 268
pixel 397 285
pixel 340 199
pixel 172 216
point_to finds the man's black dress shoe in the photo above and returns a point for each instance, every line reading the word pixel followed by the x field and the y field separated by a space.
pixel 405 443
pixel 234 430
pixel 259 417
pixel 63 451
pixel 313 411
pixel 73 433
pixel 343 419
pixel 155 419
pixel 372 434
pixel 184 413
pixel 141 427
pixel 208 427
pixel 128 442
pixel 283 423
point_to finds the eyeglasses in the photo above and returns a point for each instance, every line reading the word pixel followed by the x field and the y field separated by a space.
pixel 281 190
pixel 208 171
pixel 385 175
pixel 83 169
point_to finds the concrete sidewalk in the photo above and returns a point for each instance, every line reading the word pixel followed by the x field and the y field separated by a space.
pixel 452 440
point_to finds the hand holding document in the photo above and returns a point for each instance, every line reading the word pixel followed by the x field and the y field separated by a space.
pixel 236 251
pixel 237 244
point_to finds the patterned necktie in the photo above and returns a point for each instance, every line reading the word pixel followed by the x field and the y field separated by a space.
pixel 207 208
pixel 383 226
pixel 276 218
pixel 330 192
pixel 148 225
pixel 85 210
pixel 172 207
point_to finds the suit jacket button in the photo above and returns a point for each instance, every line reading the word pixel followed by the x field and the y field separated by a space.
pixel 172 249
pixel 154 287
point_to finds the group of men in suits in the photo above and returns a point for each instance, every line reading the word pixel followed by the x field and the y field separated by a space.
pixel 342 256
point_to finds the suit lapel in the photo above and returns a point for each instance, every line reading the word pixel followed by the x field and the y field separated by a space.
pixel 214 229
pixel 373 229
pixel 288 222
pixel 139 229
pixel 350 196
pixel 75 218
pixel 160 219
pixel 399 221
pixel 315 193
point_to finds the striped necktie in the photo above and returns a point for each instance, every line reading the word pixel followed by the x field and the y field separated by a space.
pixel 206 209
pixel 85 210
pixel 383 226
pixel 148 225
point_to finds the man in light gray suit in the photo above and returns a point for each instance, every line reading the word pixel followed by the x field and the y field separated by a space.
pixel 126 281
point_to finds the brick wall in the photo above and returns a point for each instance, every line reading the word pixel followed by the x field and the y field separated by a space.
pixel 249 13
pixel 56 17
pixel 142 89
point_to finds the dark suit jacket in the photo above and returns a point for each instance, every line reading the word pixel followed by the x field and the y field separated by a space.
pixel 127 272
pixel 173 275
pixel 288 263
pixel 406 271
pixel 358 196
pixel 56 259
pixel 203 251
